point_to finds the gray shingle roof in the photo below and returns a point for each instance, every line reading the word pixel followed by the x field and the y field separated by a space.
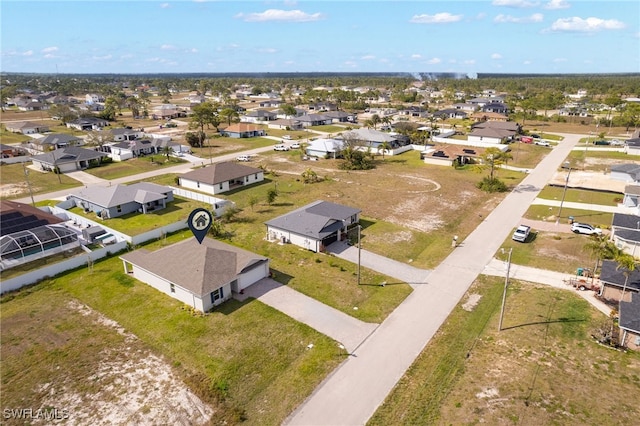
pixel 70 154
pixel 220 172
pixel 610 274
pixel 628 221
pixel 316 220
pixel 199 268
pixel 630 314
pixel 116 195
pixel 57 138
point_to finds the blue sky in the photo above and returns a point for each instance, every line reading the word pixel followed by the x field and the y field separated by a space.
pixel 494 36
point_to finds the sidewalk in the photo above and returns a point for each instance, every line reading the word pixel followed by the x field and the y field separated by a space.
pixel 498 268
pixel 580 206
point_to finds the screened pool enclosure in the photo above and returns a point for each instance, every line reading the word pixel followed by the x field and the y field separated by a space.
pixel 28 245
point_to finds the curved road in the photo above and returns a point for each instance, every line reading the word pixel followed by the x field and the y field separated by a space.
pixel 351 395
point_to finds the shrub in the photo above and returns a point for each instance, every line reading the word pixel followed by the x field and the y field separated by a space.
pixel 491 185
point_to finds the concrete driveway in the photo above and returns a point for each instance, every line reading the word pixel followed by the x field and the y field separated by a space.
pixel 347 330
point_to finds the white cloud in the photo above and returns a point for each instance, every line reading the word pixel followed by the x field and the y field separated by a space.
pixel 102 58
pixel 268 50
pixel 192 50
pixel 438 18
pixel 50 49
pixel 588 25
pixel 557 4
pixel 168 47
pixel 536 17
pixel 280 15
pixel 434 61
pixel 558 60
pixel 514 3
pixel 527 62
pixel 416 56
pixel 165 6
pixel 368 57
pixel 469 61
pixel 496 56
pixel 350 64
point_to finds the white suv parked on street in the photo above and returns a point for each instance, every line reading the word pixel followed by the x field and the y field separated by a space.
pixel 281 147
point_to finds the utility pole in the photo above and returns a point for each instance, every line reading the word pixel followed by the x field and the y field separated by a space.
pixel 504 292
pixel 564 193
pixel 359 250
pixel 26 177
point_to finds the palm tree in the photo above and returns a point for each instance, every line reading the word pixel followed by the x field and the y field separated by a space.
pixel 602 248
pixel 167 151
pixel 627 264
pixel 384 146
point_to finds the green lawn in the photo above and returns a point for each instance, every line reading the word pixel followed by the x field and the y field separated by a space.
pixel 13 176
pixel 245 359
pixel 136 223
pixel 577 158
pixel 216 146
pixel 547 213
pixel 134 166
pixel 542 368
pixel 581 196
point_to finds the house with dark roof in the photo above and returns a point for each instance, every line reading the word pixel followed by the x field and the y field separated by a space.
pixel 313 226
pixel 87 123
pixel 199 275
pixel 450 113
pixel 308 120
pixel 285 124
pixel 28 233
pixel 371 138
pixel 629 323
pixel 625 233
pixel 259 116
pixel 118 200
pixel 618 283
pixel 221 177
pixel 243 130
pixel 488 116
pixel 341 116
pixel 495 107
pixel 490 135
pixel 68 159
pixel 632 147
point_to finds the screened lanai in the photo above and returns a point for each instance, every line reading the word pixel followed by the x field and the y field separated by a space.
pixel 27 245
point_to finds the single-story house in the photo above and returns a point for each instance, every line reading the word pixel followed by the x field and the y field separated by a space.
pixel 323 106
pixel 629 323
pixel 55 141
pixel 325 147
pixel 341 116
pixel 167 111
pixel 371 138
pixel 308 120
pixel 631 199
pixel 490 135
pixel 124 134
pixel 199 275
pixel 7 151
pixel 221 177
pixel 285 124
pixel 243 130
pixel 26 127
pixel 446 155
pixel 496 107
pixel 450 113
pixel 465 107
pixel 633 146
pixel 626 172
pixel 118 200
pixel 488 116
pixel 625 233
pixel 67 159
pixel 88 123
pixel 617 280
pixel 258 116
pixel 313 226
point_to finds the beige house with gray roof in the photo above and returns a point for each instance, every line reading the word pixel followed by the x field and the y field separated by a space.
pixel 199 275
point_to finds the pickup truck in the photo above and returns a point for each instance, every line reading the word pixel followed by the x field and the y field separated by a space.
pixel 521 233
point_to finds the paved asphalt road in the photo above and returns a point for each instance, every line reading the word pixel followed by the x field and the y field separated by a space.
pixel 351 395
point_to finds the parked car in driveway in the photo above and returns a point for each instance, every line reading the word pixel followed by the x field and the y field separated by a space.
pixel 281 147
pixel 585 228
pixel 295 145
pixel 542 142
pixel 243 158
pixel 521 233
pixel 287 137
pixel 617 142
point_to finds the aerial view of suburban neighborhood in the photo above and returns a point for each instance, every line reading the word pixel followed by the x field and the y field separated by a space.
pixel 320 248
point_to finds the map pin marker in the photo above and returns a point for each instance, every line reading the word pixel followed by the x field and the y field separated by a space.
pixel 199 222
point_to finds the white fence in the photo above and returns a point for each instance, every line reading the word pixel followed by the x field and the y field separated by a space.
pixel 57 268
pixel 218 205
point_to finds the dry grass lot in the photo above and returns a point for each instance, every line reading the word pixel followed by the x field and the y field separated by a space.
pixel 542 368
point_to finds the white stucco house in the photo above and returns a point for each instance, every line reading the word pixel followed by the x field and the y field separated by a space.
pixel 199 275
pixel 221 177
pixel 313 226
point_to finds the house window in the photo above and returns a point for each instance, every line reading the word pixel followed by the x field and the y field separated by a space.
pixel 637 340
pixel 255 176
pixel 216 295
pixel 119 209
pixel 198 184
pixel 220 186
pixel 172 288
